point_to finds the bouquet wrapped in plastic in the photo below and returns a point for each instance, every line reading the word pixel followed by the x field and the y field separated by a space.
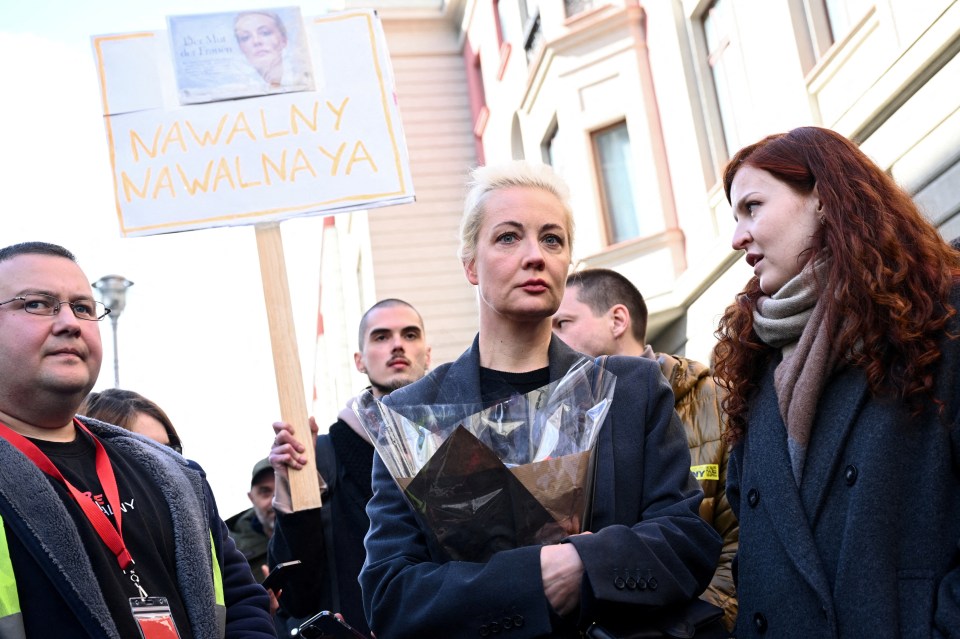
pixel 517 473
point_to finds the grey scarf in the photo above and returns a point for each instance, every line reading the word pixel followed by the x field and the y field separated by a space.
pixel 793 320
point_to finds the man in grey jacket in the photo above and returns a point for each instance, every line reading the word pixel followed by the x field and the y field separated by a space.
pixel 107 534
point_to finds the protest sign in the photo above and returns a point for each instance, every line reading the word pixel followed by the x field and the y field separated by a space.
pixel 266 158
pixel 250 118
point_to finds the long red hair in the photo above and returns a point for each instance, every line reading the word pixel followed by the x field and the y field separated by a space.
pixel 888 278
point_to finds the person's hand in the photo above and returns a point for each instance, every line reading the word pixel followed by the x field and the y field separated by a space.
pixel 274 603
pixel 561 570
pixel 286 453
pixel 286 450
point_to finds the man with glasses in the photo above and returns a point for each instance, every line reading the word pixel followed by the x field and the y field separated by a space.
pixel 105 535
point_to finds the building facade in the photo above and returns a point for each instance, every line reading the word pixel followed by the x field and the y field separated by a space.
pixel 638 105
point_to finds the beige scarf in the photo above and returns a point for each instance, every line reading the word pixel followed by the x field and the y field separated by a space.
pixel 792 319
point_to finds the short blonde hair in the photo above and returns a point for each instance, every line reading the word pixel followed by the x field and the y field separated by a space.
pixel 484 180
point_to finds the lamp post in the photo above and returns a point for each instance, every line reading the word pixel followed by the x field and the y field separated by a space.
pixel 113 295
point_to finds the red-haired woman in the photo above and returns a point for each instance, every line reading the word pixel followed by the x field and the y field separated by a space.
pixel 841 359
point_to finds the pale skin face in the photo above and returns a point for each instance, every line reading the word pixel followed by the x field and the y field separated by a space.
pixel 261 496
pixel 775 226
pixel 522 257
pixel 262 42
pixel 395 351
pixel 47 364
pixel 582 330
pixel 150 427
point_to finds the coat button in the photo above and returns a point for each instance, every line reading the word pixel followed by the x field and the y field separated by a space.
pixel 484 631
pixel 517 621
pixel 506 623
pixel 850 474
pixel 641 583
pixel 652 583
pixel 619 583
pixel 753 497
pixel 759 622
pixel 494 628
pixel 631 583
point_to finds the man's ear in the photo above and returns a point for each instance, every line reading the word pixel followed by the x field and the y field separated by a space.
pixel 619 320
pixel 250 497
pixel 426 365
pixel 358 360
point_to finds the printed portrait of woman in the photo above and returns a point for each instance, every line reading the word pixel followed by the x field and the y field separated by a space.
pixel 262 38
pixel 224 56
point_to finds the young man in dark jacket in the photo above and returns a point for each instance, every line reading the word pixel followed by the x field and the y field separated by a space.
pixel 393 353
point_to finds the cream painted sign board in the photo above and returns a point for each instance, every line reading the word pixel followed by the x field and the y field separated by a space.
pixel 255 160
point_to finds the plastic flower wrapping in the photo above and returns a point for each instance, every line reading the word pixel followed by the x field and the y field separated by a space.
pixel 486 479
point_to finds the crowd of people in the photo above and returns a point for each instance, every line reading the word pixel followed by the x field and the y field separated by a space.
pixel 804 483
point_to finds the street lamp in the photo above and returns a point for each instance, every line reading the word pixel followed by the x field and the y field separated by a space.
pixel 113 294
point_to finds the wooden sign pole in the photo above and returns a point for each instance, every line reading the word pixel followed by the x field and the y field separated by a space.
pixel 304 485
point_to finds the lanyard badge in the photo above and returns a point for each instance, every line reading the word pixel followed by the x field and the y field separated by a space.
pixel 153 617
pixel 152 614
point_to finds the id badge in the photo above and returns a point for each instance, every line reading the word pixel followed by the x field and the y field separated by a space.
pixel 153 618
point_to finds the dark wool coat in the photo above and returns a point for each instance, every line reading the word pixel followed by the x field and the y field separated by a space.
pixel 867 546
pixel 646 525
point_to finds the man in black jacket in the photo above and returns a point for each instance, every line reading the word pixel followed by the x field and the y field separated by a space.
pixel 393 353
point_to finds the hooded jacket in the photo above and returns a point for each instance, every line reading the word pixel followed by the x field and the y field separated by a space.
pixel 33 512
pixel 697 402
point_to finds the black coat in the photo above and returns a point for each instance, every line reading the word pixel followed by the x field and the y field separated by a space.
pixel 645 522
pixel 867 546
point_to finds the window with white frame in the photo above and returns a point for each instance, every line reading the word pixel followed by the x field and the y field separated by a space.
pixel 614 161
pixel 843 15
pixel 727 72
pixel 503 25
pixel 532 33
pixel 548 147
pixel 573 7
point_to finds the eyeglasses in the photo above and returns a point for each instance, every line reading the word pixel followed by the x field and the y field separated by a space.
pixel 40 304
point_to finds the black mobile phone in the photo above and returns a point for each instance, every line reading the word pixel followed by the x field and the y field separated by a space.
pixel 326 625
pixel 277 578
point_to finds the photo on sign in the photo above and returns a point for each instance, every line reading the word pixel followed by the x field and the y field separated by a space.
pixel 223 56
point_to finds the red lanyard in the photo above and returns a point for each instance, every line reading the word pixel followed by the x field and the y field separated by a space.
pixel 112 537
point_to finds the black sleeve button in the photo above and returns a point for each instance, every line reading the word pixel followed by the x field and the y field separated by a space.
pixel 753 497
pixel 652 583
pixel 619 583
pixel 850 474
pixel 517 621
pixel 759 622
pixel 631 583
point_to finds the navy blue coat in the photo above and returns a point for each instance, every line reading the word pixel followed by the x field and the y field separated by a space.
pixel 645 520
pixel 867 546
